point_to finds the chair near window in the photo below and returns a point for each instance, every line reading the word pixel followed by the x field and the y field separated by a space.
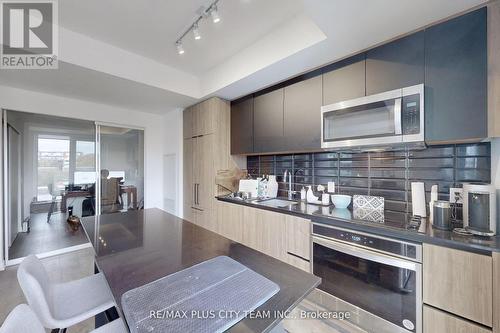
pixel 53 203
pixel 110 196
pixel 110 193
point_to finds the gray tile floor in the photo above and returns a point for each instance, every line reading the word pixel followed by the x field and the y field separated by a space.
pixel 79 264
pixel 45 237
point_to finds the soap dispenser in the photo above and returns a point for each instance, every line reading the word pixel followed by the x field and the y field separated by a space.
pixel 310 195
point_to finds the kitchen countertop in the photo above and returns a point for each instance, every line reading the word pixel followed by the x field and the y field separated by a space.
pixel 138 247
pixel 385 227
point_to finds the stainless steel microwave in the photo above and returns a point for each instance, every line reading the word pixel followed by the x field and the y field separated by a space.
pixel 391 118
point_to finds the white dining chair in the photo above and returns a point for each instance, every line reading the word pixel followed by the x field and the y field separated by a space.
pixel 61 305
pixel 23 320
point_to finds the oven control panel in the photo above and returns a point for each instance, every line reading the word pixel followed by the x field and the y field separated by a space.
pixel 411 114
pixel 382 244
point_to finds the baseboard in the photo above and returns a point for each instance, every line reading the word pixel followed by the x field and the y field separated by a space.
pixel 17 261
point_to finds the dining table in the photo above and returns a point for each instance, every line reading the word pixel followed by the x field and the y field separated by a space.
pixel 137 247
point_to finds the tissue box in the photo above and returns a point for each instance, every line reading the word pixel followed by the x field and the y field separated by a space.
pixel 368 202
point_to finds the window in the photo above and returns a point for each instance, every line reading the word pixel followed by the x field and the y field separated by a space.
pixel 52 167
pixel 84 163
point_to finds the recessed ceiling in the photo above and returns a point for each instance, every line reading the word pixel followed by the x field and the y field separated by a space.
pixel 122 52
pixel 76 82
pixel 150 28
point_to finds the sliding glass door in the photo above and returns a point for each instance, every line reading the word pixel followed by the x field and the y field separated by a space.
pixel 55 167
pixel 49 174
pixel 120 168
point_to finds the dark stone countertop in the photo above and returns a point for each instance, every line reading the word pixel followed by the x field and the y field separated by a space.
pixel 138 247
pixel 390 227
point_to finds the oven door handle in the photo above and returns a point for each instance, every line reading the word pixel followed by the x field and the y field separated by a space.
pixel 366 254
pixel 397 117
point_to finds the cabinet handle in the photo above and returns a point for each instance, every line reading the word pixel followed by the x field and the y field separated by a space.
pixel 198 194
pixel 197 185
pixel 194 193
pixel 397 117
pixel 297 256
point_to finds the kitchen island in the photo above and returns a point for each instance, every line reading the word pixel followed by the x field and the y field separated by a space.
pixel 139 247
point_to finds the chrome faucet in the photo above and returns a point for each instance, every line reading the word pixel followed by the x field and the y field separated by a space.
pixel 290 192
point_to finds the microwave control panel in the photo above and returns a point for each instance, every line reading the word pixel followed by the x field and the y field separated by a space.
pixel 411 114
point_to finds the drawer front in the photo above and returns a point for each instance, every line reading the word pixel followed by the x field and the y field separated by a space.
pixel 230 221
pixel 458 282
pixel 264 231
pixel 298 234
pixel 438 321
pixel 298 262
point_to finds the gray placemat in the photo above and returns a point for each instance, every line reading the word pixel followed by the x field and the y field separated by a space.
pixel 208 297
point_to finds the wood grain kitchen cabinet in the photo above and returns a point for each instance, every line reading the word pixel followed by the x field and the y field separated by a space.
pixel 344 80
pixel 298 236
pixel 456 79
pixel 204 171
pixel 189 184
pixel 298 263
pixel 206 116
pixel 496 292
pixel 302 115
pixel 395 65
pixel 201 118
pixel 230 221
pixel 188 213
pixel 204 155
pixel 268 122
pixel 207 219
pixel 458 282
pixel 438 321
pixel 242 127
pixel 188 122
pixel 264 231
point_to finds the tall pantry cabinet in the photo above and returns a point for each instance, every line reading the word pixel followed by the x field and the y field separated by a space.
pixel 206 150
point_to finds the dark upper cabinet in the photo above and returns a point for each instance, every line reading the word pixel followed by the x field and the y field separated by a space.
pixel 456 79
pixel 344 80
pixel 396 65
pixel 242 126
pixel 268 122
pixel 302 115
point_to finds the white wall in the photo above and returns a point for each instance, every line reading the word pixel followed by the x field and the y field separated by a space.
pixel 173 151
pixel 154 126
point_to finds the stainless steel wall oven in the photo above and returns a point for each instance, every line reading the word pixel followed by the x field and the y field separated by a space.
pixel 379 275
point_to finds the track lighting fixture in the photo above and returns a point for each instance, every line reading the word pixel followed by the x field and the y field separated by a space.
pixel 203 13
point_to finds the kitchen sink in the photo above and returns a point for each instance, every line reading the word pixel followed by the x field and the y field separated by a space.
pixel 279 203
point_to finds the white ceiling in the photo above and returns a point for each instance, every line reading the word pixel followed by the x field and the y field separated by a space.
pixel 121 52
pixel 76 82
pixel 150 28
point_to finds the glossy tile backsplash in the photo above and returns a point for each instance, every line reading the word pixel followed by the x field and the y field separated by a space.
pixel 386 174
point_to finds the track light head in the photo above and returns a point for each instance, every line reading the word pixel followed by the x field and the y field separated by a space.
pixel 215 14
pixel 196 31
pixel 180 49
